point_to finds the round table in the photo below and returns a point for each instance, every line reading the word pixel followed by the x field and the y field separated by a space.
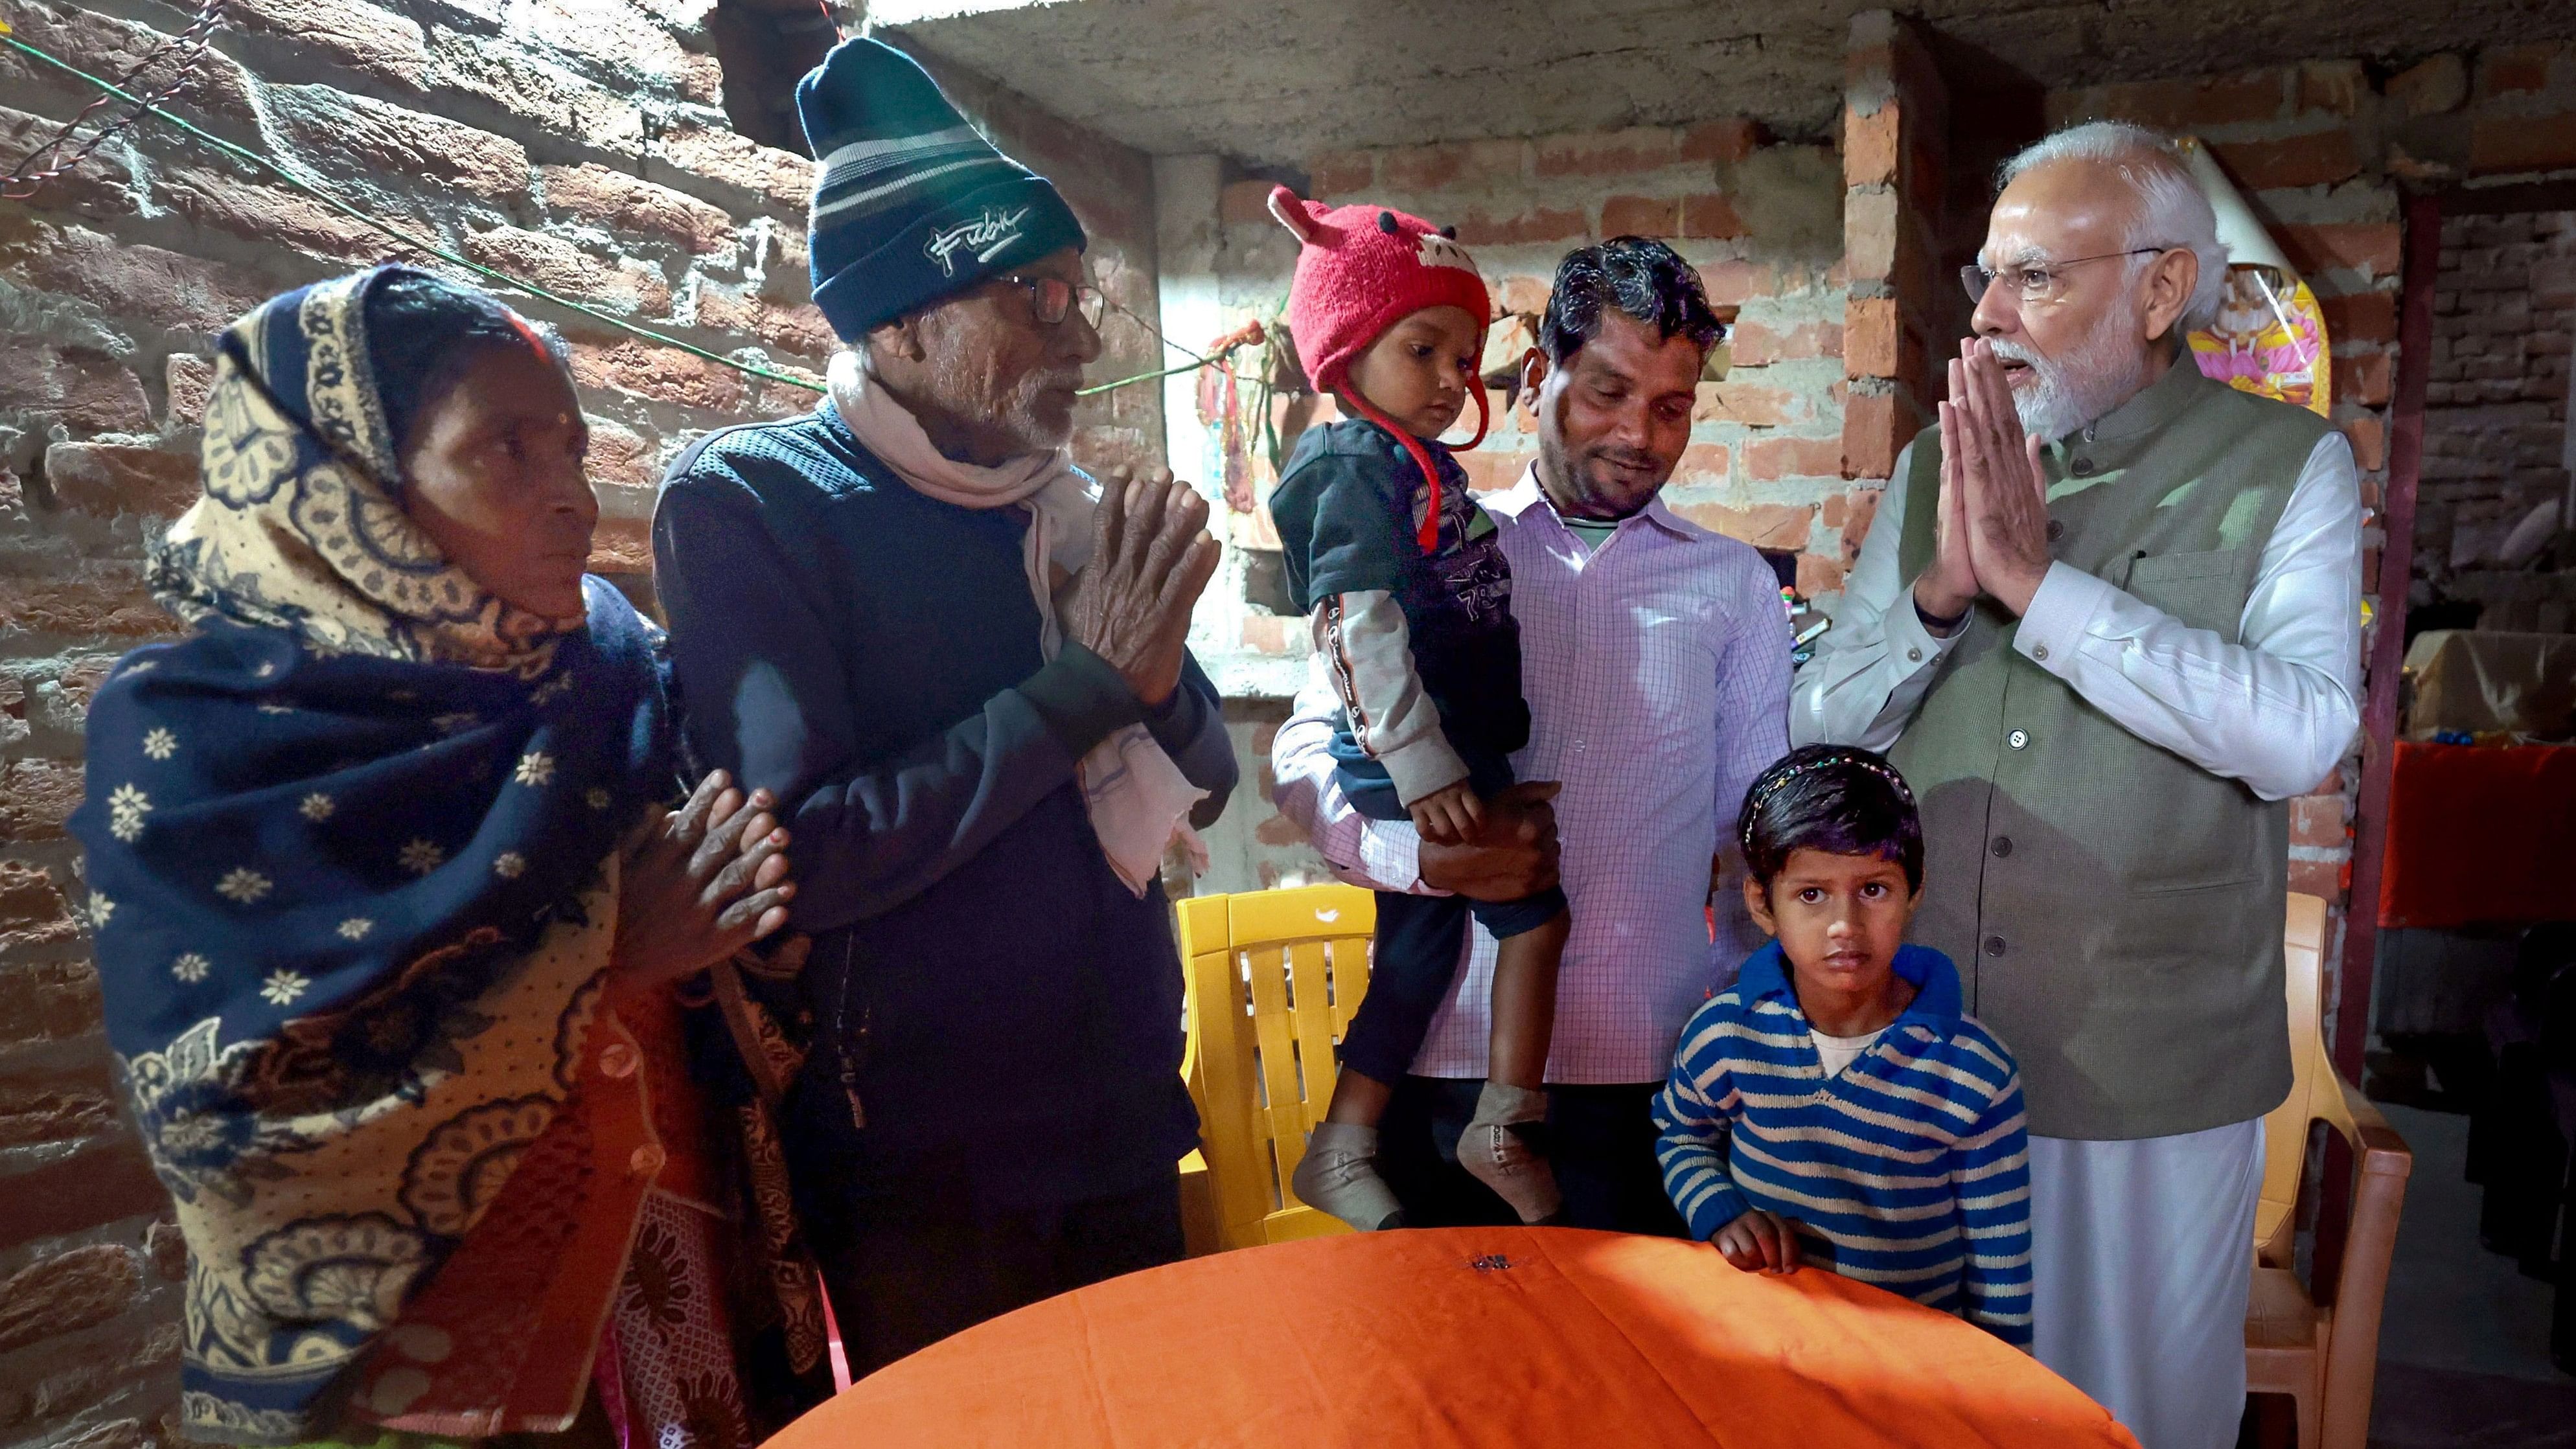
pixel 1465 1336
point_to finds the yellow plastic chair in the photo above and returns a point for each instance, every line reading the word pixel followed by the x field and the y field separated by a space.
pixel 1273 977
pixel 2323 1358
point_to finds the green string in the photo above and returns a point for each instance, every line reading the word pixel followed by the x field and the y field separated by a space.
pixel 514 283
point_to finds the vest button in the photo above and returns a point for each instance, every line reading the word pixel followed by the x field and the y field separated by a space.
pixel 2056 530
pixel 646 1160
pixel 2002 846
pixel 2082 466
pixel 1994 945
pixel 2017 739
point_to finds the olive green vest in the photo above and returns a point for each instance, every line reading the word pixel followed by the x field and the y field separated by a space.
pixel 2115 910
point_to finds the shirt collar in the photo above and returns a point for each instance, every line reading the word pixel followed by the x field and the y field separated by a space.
pixel 1937 1000
pixel 1516 502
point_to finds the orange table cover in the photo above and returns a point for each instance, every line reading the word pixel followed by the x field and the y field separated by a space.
pixel 2480 833
pixel 1465 1336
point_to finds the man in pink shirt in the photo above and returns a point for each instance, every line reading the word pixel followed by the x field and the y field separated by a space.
pixel 1656 664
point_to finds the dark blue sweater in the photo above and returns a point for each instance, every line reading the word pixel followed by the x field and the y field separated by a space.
pixel 1003 1006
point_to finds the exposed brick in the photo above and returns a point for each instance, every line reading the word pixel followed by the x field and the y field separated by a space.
pixel 54 1113
pixel 613 37
pixel 1702 463
pixel 1421 168
pixel 2362 378
pixel 1709 216
pixel 1870 146
pixel 1873 335
pixel 1538 224
pixel 2522 143
pixel 2317 820
pixel 166 1248
pixel 102 185
pixel 101 598
pixel 81 389
pixel 548 98
pixel 2431 87
pixel 660 373
pixel 1818 575
pixel 188 378
pixel 1725 141
pixel 784 177
pixel 1755 343
pixel 322 123
pixel 2313 158
pixel 1339 173
pixel 621 546
pixel 1733 283
pixel 68 1291
pixel 1859 508
pixel 2503 70
pixel 1489 471
pixel 1874 428
pixel 1641 216
pixel 1525 295
pixel 108 479
pixel 620 457
pixel 1279 830
pixel 271 214
pixel 1244 202
pixel 146 283
pixel 2378 247
pixel 36 797
pixel 620 202
pixel 2179 105
pixel 32 910
pixel 1749 403
pixel 2335 87
pixel 559 266
pixel 2360 316
pixel 1273 633
pixel 371 41
pixel 106 46
pixel 701 79
pixel 2369 442
pixel 102 1181
pixel 1766 459
pixel 2323 878
pixel 1607 153
pixel 1763 525
pixel 1870 223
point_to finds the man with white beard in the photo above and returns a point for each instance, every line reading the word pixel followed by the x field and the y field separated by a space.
pixel 2107 623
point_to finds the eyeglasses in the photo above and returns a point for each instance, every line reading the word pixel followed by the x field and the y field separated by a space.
pixel 1051 298
pixel 2036 281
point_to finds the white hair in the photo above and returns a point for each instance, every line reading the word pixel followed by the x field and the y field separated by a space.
pixel 2172 209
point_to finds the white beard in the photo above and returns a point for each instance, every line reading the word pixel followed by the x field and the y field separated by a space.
pixel 2096 375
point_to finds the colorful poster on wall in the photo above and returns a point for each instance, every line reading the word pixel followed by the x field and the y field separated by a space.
pixel 2269 338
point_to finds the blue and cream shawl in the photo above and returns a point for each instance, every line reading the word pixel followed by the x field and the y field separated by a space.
pixel 351 868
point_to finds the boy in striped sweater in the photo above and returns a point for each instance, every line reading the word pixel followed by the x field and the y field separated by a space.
pixel 1836 1106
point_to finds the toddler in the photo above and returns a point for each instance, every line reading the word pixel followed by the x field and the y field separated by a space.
pixel 1836 1105
pixel 1404 581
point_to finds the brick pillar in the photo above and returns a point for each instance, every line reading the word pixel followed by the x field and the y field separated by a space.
pixel 1894 151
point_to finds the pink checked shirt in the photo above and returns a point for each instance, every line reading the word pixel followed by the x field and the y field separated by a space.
pixel 1657 673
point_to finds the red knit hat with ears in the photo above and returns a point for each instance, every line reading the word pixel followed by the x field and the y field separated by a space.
pixel 1361 270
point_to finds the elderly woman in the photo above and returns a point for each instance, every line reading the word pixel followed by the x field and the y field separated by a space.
pixel 390 918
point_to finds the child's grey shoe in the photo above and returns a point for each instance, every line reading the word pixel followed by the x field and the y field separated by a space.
pixel 1497 1156
pixel 1338 1175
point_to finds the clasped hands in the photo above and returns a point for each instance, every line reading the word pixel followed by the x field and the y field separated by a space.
pixel 1993 523
pixel 1151 557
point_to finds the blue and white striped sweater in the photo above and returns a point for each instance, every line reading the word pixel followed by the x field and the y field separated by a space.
pixel 1909 1171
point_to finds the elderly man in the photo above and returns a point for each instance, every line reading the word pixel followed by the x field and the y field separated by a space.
pixel 1655 662
pixel 902 613
pixel 2108 622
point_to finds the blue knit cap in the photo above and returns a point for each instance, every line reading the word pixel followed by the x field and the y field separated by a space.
pixel 910 203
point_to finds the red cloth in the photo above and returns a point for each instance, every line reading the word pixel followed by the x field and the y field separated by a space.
pixel 1466 1336
pixel 2480 834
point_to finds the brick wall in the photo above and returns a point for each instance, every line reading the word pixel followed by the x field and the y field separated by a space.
pixel 2495 414
pixel 579 142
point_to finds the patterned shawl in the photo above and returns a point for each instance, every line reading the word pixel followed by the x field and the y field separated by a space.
pixel 351 861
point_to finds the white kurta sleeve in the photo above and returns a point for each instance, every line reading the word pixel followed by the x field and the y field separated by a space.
pixel 2275 710
pixel 1873 666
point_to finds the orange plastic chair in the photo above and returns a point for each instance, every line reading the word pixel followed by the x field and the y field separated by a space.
pixel 1272 979
pixel 2323 1358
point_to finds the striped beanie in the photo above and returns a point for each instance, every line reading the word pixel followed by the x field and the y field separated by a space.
pixel 911 204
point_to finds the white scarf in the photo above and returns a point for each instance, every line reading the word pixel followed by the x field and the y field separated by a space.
pixel 1138 799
